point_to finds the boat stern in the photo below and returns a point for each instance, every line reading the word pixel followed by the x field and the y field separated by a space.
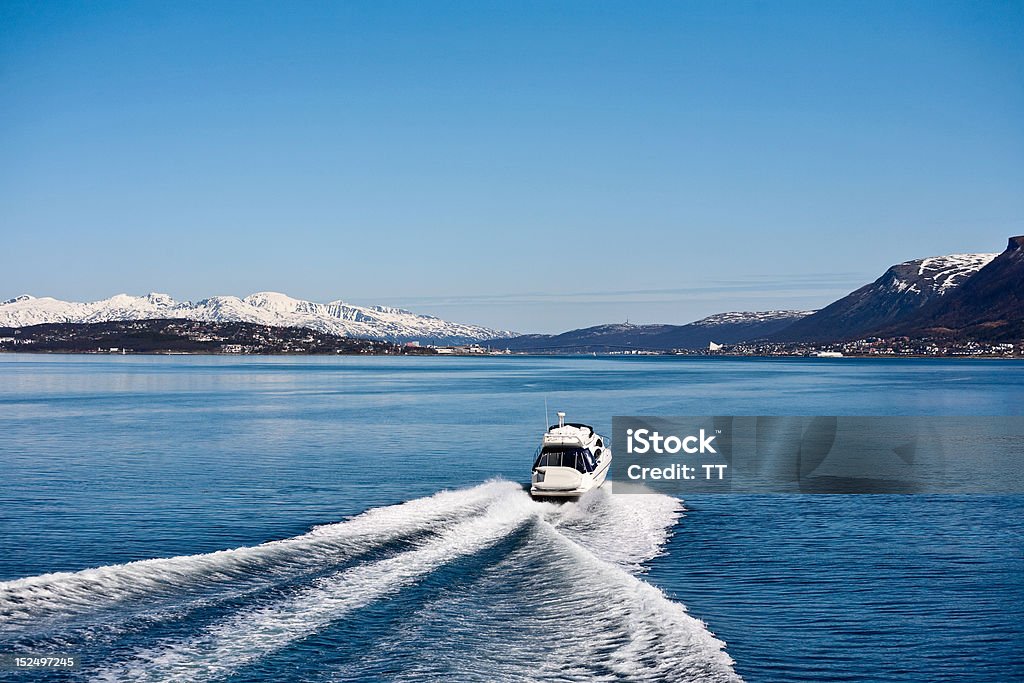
pixel 558 482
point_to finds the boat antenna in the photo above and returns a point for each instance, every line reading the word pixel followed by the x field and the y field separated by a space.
pixel 547 421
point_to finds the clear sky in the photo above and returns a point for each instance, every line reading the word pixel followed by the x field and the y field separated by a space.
pixel 533 166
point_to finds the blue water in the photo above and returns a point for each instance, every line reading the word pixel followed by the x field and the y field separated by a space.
pixel 301 464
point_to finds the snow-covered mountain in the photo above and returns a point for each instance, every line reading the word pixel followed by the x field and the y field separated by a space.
pixel 988 305
pixel 750 317
pixel 901 291
pixel 265 308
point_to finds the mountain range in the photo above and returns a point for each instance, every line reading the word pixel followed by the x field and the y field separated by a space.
pixel 723 328
pixel 963 296
pixel 263 308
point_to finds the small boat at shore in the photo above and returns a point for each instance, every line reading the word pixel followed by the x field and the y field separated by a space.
pixel 572 459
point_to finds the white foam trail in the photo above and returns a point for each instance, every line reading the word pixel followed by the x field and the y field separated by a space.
pixel 576 614
pixel 625 529
pixel 655 638
pixel 579 611
pixel 249 635
pixel 25 603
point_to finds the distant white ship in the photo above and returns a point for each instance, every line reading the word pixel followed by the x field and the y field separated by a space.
pixel 572 460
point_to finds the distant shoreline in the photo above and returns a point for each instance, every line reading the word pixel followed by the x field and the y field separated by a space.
pixel 676 356
pixel 193 337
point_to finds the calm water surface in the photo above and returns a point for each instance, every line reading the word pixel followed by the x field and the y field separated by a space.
pixel 300 463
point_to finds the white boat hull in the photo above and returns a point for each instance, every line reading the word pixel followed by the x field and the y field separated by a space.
pixel 572 459
pixel 559 483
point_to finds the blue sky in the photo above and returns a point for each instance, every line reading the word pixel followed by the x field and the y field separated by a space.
pixel 534 166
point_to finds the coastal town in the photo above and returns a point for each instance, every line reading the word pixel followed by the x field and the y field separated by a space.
pixel 187 336
pixel 872 347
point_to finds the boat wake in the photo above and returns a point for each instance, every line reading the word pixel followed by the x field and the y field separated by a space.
pixel 476 584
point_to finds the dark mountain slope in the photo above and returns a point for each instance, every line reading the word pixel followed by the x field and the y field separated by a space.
pixel 898 294
pixel 988 306
pixel 724 328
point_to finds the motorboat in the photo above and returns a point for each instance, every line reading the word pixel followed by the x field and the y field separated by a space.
pixel 572 459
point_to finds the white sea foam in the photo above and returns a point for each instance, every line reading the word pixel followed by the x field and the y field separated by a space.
pixel 561 607
pixel 645 635
pixel 29 601
pixel 562 602
pixel 625 529
pixel 251 634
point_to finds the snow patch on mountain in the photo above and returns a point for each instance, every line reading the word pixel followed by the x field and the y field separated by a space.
pixel 948 272
pixel 901 291
pixel 933 276
pixel 264 308
pixel 742 317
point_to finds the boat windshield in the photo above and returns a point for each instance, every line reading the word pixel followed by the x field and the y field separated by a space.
pixel 580 459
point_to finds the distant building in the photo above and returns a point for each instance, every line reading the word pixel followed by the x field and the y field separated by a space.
pixel 462 350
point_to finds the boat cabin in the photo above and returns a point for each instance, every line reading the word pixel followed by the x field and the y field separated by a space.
pixel 579 459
